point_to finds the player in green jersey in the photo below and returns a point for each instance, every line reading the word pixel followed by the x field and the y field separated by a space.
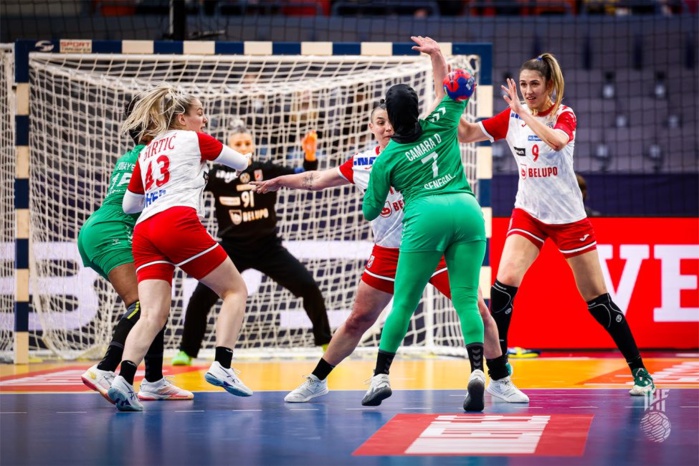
pixel 104 243
pixel 442 217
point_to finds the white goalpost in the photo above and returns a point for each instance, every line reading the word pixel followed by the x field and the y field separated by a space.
pixel 7 214
pixel 76 102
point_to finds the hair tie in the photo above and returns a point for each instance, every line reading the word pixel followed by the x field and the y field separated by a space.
pixel 539 58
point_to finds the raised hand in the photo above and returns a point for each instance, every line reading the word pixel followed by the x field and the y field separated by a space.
pixel 425 45
pixel 511 96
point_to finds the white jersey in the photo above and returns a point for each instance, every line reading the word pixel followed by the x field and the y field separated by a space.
pixel 172 170
pixel 387 227
pixel 548 189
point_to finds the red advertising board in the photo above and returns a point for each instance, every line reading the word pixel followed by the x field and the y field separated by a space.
pixel 651 266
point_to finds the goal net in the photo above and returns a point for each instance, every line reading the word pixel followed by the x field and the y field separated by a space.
pixel 7 215
pixel 77 102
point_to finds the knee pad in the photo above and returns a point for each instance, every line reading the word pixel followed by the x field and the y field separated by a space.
pixel 502 298
pixel 605 311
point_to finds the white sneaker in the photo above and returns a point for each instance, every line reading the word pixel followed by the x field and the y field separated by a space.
pixel 313 387
pixel 228 379
pixel 475 391
pixel 505 390
pixel 98 380
pixel 379 390
pixel 642 383
pixel 162 389
pixel 124 395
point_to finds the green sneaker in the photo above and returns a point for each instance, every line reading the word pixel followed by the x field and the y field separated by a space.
pixel 510 370
pixel 182 359
pixel 642 383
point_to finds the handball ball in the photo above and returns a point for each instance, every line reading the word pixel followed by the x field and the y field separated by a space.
pixel 459 85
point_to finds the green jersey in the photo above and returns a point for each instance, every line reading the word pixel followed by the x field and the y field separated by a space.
pixel 104 241
pixel 431 165
pixel 111 209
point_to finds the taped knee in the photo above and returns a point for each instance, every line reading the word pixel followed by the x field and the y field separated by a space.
pixel 605 311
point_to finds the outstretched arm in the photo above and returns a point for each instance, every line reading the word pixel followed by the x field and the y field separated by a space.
pixel 470 132
pixel 309 181
pixel 440 68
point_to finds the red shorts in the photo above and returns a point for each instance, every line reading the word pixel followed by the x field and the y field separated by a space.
pixel 380 271
pixel 572 239
pixel 174 238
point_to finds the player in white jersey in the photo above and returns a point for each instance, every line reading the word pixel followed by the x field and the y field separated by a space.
pixel 375 288
pixel 166 187
pixel 549 204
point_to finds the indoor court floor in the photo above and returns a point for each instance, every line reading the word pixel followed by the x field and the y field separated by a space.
pixel 580 413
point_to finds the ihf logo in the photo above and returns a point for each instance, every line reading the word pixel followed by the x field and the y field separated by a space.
pixel 655 424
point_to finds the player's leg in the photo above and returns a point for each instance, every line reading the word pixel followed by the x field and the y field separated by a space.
pixel 227 282
pixel 499 370
pixel 282 267
pixel 195 320
pixel 368 304
pixel 590 282
pixel 464 260
pixel 154 386
pixel 156 295
pixel 106 248
pixel 519 253
pixel 500 386
pixel 199 307
pixel 100 376
pixel 413 273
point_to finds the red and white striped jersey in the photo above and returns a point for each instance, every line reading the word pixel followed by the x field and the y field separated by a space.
pixel 172 170
pixel 387 227
pixel 548 189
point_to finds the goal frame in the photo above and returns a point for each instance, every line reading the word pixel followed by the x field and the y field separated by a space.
pixel 23 48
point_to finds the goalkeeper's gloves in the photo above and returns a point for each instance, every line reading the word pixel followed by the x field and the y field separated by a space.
pixel 309 143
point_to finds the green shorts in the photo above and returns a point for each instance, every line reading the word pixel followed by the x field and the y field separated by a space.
pixel 105 245
pixel 432 223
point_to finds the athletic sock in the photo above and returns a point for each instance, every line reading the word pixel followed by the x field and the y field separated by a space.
pixel 383 362
pixel 323 369
pixel 154 358
pixel 115 351
pixel 128 371
pixel 497 367
pixel 502 298
pixel 475 356
pixel 609 316
pixel 224 356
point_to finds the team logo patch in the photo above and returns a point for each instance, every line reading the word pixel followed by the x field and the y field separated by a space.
pixel 469 435
pixel 386 211
pixel 258 175
pixel 520 151
pixel 236 216
pixel 245 178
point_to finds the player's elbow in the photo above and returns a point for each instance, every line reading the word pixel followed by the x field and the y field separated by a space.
pixel 132 203
pixel 369 212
